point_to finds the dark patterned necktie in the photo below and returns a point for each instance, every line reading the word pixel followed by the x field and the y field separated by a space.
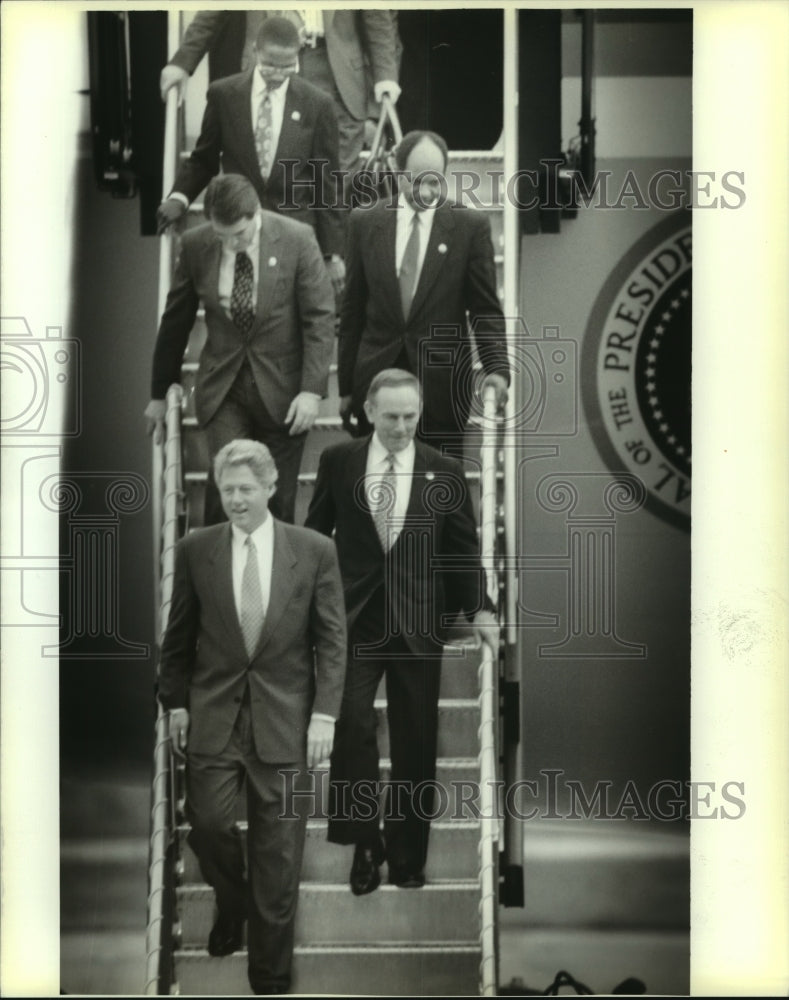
pixel 252 610
pixel 264 136
pixel 408 267
pixel 241 305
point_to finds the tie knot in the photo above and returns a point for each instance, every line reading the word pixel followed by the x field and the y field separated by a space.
pixel 390 462
pixel 250 544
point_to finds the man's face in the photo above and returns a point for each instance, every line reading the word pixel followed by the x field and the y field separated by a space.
pixel 425 158
pixel 244 498
pixel 394 412
pixel 238 235
pixel 276 63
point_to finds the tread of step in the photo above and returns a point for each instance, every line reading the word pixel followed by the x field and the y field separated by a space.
pixel 422 969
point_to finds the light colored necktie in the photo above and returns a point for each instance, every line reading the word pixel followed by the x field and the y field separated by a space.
pixel 408 267
pixel 252 610
pixel 264 135
pixel 242 310
pixel 382 503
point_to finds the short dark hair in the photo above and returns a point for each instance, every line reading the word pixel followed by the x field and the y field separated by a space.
pixel 406 145
pixel 278 31
pixel 253 454
pixel 229 198
pixel 392 378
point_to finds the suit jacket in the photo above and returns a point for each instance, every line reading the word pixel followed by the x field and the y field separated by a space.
pixel 301 182
pixel 362 45
pixel 290 344
pixel 420 591
pixel 299 664
pixel 456 293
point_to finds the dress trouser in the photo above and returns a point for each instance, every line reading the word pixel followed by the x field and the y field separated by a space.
pixel 412 689
pixel 316 69
pixel 243 414
pixel 275 847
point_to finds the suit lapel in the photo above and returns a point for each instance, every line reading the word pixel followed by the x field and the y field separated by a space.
pixel 385 246
pixel 268 266
pixel 283 580
pixel 440 235
pixel 212 255
pixel 221 560
pixel 291 117
pixel 240 111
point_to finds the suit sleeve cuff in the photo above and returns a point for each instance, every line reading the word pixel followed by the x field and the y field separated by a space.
pixel 323 716
pixel 178 196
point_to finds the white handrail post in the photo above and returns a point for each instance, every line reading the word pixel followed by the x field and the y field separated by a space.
pixel 165 490
pixel 488 684
pixel 513 763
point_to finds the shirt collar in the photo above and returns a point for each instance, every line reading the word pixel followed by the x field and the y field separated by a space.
pixel 425 214
pixel 253 249
pixel 378 453
pixel 261 536
pixel 259 86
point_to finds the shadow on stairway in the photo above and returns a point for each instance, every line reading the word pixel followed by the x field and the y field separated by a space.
pixel 604 901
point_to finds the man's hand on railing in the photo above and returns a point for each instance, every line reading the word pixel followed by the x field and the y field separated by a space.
pixel 320 739
pixel 302 412
pixel 388 88
pixel 170 211
pixel 178 726
pixel 155 413
pixel 486 629
pixel 499 384
pixel 173 76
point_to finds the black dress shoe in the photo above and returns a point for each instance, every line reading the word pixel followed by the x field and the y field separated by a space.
pixel 226 936
pixel 407 878
pixel 365 874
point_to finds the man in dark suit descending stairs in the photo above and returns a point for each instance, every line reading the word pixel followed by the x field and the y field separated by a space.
pixel 251 674
pixel 269 313
pixel 281 133
pixel 397 508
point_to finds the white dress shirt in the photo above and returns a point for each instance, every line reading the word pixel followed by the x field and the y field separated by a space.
pixel 263 537
pixel 277 106
pixel 377 464
pixel 405 213
pixel 227 269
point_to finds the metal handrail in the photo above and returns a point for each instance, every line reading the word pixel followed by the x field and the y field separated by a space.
pixel 167 494
pixel 488 703
pixel 165 273
pixel 161 822
pixel 513 757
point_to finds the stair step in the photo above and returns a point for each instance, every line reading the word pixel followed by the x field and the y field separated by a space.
pixel 458 723
pixel 331 914
pixel 456 774
pixel 453 853
pixel 424 969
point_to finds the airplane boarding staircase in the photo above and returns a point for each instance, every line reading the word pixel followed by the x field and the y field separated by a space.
pixel 442 939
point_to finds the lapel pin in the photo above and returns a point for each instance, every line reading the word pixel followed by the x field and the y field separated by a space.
pixel 296 116
pixel 272 262
pixel 430 476
pixel 442 248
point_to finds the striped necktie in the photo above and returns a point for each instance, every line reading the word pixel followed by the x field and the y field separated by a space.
pixel 382 503
pixel 408 267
